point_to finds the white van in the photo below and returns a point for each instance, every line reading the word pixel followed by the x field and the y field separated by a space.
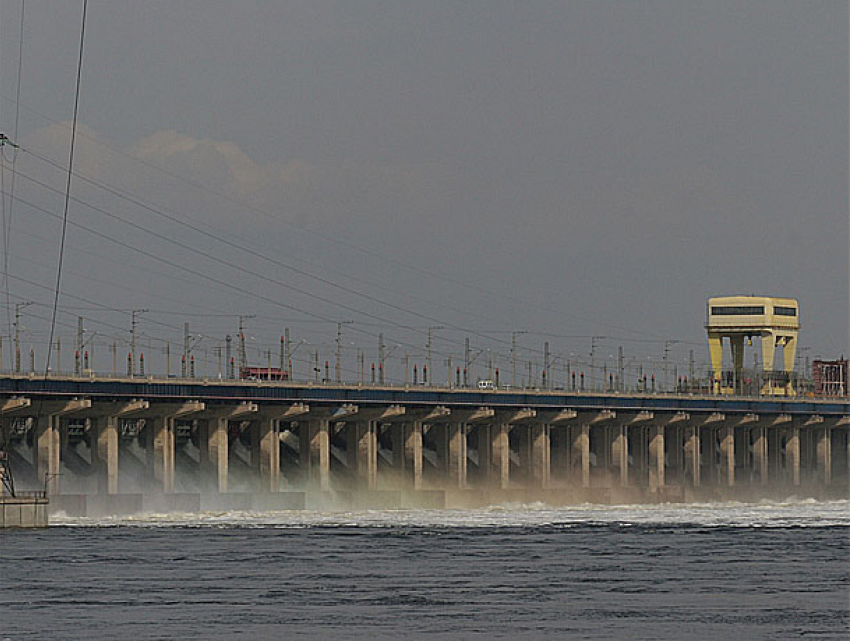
pixel 486 385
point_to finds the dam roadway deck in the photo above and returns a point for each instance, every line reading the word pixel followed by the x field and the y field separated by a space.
pixel 132 443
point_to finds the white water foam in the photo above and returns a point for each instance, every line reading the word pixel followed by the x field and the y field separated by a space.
pixel 789 513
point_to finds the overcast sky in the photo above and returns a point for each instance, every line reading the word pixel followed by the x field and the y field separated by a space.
pixel 567 169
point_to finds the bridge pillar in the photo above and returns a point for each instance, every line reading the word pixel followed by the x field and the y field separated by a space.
pixel 106 449
pixel 269 445
pixel 104 425
pixel 541 453
pixel 413 451
pixel 522 437
pixel 727 455
pixel 500 439
pixel 824 455
pixel 656 458
pixel 47 441
pixel 216 433
pixel 214 440
pixel 792 454
pixel 457 451
pixel 581 454
pixel 501 452
pixel 265 441
pixel 639 446
pixel 485 453
pixel 367 454
pixel 692 455
pixel 164 451
pixel 760 451
pixel 47 451
pixel 314 449
pixel 620 454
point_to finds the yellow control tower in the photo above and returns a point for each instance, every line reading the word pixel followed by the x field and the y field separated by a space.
pixel 775 320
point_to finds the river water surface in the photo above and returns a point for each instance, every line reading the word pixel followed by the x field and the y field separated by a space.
pixel 730 571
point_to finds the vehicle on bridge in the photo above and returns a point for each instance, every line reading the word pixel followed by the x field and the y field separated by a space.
pixel 263 374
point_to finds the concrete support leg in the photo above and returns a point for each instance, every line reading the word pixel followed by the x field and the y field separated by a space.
pixel 792 454
pixel 47 448
pixel 268 435
pixel 318 454
pixel 457 455
pixel 501 448
pixel 413 449
pixel 620 454
pixel 522 435
pixel 164 452
pixel 107 454
pixel 692 457
pixel 656 458
pixel 824 456
pixel 485 454
pixel 760 448
pixel 727 456
pixel 540 455
pixel 367 454
pixel 218 447
pixel 640 473
pixel 581 453
pixel 603 448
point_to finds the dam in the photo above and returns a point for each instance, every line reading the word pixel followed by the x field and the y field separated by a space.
pixel 99 446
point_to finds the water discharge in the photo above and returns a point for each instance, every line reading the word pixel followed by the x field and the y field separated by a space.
pixel 790 513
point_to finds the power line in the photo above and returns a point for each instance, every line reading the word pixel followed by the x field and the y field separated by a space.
pixel 68 184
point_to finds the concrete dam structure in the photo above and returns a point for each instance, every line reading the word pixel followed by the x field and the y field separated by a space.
pixel 107 446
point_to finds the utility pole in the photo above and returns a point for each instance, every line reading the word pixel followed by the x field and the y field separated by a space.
pixel 338 368
pixel 133 323
pixel 186 349
pixel 228 340
pixel 78 352
pixel 593 340
pixel 287 352
pixel 18 308
pixel 243 354
pixel 513 356
pixel 620 371
pixel 667 345
pixel 546 373
pixel 381 358
pixel 430 372
pixel 466 363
